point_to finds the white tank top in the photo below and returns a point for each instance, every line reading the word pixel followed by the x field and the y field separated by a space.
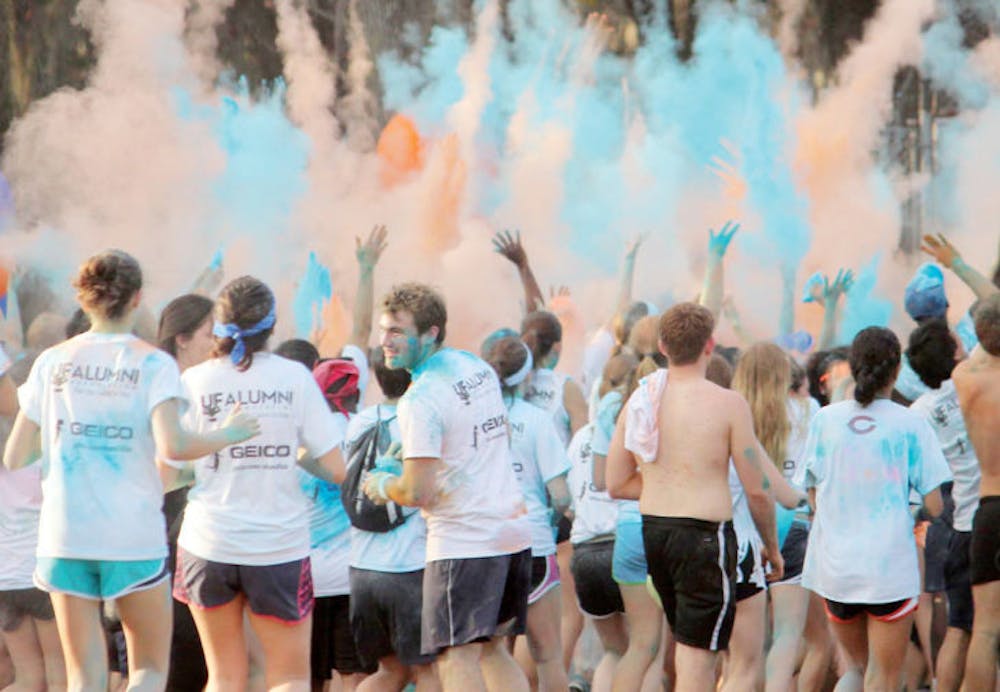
pixel 545 389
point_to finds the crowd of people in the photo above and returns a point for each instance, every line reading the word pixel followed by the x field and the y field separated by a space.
pixel 193 507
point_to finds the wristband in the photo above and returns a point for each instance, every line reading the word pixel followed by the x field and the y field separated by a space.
pixel 380 487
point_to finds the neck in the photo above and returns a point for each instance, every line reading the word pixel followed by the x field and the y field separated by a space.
pixel 425 356
pixel 690 371
pixel 103 325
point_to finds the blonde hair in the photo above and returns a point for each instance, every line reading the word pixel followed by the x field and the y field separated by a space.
pixel 763 374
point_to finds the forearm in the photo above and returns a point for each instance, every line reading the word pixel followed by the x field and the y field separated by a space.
pixel 786 320
pixel 629 488
pixel 625 285
pixel 364 303
pixel 829 331
pixel 784 493
pixel 713 286
pixel 315 468
pixel 980 285
pixel 533 298
pixel 404 491
pixel 188 445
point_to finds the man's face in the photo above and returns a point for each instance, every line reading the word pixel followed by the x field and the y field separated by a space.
pixel 403 347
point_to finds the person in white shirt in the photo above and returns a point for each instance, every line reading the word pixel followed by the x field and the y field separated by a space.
pixel 244 543
pixel 932 352
pixel 861 459
pixel 540 462
pixel 103 404
pixel 457 468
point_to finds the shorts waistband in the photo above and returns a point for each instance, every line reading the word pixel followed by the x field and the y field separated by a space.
pixel 989 500
pixel 686 523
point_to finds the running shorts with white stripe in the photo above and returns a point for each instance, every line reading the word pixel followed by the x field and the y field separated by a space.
pixel 692 563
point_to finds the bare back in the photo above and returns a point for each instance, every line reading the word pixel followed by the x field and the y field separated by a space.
pixel 689 477
pixel 977 382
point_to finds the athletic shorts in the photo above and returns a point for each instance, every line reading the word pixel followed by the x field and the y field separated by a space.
pixel 750 579
pixel 886 612
pixel 333 646
pixel 596 590
pixel 99 580
pixel 936 548
pixel 544 576
pixel 283 591
pixel 17 604
pixel 385 615
pixel 985 546
pixel 693 566
pixel 793 552
pixel 957 582
pixel 474 599
pixel 629 565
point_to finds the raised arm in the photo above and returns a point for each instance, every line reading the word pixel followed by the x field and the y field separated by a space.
pixel 509 245
pixel 713 287
pixel 947 254
pixel 208 282
pixel 829 298
pixel 368 254
pixel 174 441
pixel 786 320
pixel 733 315
pixel 626 281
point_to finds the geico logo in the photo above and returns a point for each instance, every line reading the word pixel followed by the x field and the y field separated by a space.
pixel 493 423
pixel 107 432
pixel 255 451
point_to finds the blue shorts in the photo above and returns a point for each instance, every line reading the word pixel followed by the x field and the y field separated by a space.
pixel 628 565
pixel 99 579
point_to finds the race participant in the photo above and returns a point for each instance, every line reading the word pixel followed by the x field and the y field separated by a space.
pixel 540 462
pixel 932 354
pixel 102 405
pixel 977 383
pixel 671 450
pixel 552 391
pixel 244 542
pixel 861 459
pixel 457 468
pixel 387 570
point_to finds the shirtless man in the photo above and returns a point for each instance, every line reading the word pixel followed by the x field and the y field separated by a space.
pixel 671 451
pixel 977 381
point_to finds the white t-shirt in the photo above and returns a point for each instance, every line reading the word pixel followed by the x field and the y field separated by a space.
pixel 800 413
pixel 453 411
pixel 747 536
pixel 247 506
pixel 329 538
pixel 360 358
pixel 93 397
pixel 538 456
pixel 595 357
pixel 545 389
pixel 596 513
pixel 863 461
pixel 404 548
pixel 20 507
pixel 940 408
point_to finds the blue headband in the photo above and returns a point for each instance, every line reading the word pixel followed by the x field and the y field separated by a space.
pixel 232 331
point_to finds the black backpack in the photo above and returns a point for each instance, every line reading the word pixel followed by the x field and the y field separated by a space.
pixel 362 453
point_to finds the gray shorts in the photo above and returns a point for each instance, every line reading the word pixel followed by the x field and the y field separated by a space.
pixel 283 591
pixel 21 603
pixel 385 615
pixel 474 599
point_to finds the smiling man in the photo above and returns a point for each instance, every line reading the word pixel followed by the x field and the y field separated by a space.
pixel 457 468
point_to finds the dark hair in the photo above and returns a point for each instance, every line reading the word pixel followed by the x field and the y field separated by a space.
pixel 182 316
pixel 816 368
pixel 107 282
pixel 244 302
pixel 931 352
pixel 798 375
pixel 874 360
pixel 392 382
pixel 685 329
pixel 423 302
pixel 78 323
pixel 507 356
pixel 541 331
pixel 299 350
pixel 987 319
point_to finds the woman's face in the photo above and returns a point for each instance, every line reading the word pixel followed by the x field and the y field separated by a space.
pixel 195 349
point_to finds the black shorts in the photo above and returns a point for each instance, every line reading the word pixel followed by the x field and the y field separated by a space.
pixel 474 599
pixel 385 615
pixel 283 591
pixel 333 646
pixel 886 612
pixel 596 590
pixel 693 566
pixel 793 552
pixel 750 579
pixel 985 546
pixel 18 604
pixel 544 576
pixel 957 582
pixel 936 555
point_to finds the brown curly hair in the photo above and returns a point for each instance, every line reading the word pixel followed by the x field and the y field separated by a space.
pixel 107 282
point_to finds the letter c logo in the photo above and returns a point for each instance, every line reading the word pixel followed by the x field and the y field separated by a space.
pixel 861 425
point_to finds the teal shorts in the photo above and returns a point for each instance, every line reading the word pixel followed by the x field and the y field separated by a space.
pixel 99 579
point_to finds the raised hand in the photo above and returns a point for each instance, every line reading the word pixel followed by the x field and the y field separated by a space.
pixel 240 426
pixel 718 243
pixel 509 245
pixel 633 247
pixel 940 249
pixel 841 284
pixel 369 252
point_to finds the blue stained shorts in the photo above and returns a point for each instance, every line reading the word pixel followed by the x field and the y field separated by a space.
pixel 99 579
pixel 628 565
